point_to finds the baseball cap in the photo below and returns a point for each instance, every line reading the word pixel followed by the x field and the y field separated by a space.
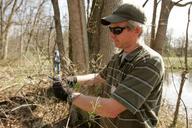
pixel 125 12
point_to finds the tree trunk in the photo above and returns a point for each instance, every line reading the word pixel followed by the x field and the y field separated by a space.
pixel 21 42
pixel 153 23
pixel 99 40
pixel 59 36
pixel 160 39
pixel 183 77
pixel 48 41
pixel 1 28
pixel 5 48
pixel 106 46
pixel 78 35
pixel 93 29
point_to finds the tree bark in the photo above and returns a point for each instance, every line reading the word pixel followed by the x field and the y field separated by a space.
pixel 93 29
pixel 78 35
pixel 99 40
pixel 1 27
pixel 153 23
pixel 106 45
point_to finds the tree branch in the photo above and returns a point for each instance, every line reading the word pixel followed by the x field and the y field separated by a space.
pixel 182 5
pixel 145 3
pixel 187 38
pixel 10 16
pixel 17 8
pixel 186 54
pixel 178 1
pixel 7 4
pixel 158 2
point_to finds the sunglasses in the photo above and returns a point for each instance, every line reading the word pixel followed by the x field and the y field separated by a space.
pixel 117 30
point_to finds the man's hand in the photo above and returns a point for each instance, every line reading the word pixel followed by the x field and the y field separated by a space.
pixel 64 94
pixel 71 81
pixel 59 91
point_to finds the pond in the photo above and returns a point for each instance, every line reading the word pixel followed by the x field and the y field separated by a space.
pixel 172 83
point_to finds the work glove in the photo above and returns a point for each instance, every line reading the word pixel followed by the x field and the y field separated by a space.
pixel 71 81
pixel 64 93
pixel 60 92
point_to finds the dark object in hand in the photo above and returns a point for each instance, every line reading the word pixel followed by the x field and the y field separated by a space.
pixel 59 91
pixel 71 81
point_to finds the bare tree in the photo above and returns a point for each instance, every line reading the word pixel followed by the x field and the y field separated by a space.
pixel 160 38
pixel 49 39
pixel 6 24
pixel 35 21
pixel 59 36
pixel 183 75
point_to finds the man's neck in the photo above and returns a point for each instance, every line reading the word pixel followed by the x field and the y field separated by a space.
pixel 131 48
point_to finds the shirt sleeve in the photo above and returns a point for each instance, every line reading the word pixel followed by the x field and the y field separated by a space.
pixel 103 73
pixel 105 70
pixel 133 91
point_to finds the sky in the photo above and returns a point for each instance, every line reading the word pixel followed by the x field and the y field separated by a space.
pixel 177 19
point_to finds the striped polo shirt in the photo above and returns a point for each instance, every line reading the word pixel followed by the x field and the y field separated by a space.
pixel 135 82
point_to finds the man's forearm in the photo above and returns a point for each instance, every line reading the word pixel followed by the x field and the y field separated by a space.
pixel 105 107
pixel 90 79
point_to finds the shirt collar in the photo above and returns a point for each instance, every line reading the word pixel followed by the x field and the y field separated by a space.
pixel 130 56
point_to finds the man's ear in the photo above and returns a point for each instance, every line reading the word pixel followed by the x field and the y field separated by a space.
pixel 138 30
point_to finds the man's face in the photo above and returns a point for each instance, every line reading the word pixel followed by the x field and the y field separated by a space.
pixel 123 36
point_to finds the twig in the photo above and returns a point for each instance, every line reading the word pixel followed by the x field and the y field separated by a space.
pixel 23 106
pixel 178 1
pixel 2 124
pixel 182 5
pixel 20 89
pixel 27 103
pixel 68 120
pixel 176 88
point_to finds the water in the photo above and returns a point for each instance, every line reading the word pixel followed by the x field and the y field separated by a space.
pixel 172 81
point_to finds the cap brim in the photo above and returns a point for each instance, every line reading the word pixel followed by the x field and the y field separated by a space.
pixel 112 19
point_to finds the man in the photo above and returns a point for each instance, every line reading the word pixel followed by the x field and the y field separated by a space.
pixel 134 76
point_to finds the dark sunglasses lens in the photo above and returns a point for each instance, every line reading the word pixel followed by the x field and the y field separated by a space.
pixel 116 30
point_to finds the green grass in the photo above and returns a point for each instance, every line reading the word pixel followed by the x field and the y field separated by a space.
pixel 177 63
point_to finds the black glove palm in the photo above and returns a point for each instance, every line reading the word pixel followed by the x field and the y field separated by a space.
pixel 59 91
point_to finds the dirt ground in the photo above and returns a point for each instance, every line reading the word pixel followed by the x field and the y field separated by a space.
pixel 28 103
